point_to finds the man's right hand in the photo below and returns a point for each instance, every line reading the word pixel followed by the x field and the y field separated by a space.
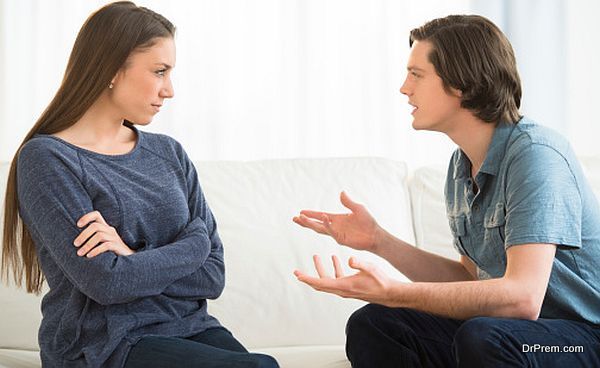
pixel 357 229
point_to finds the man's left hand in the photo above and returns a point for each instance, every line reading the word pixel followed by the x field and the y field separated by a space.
pixel 369 284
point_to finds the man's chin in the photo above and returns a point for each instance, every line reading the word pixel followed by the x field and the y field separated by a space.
pixel 141 122
pixel 417 125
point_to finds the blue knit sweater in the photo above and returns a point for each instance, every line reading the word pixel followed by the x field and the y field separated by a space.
pixel 98 308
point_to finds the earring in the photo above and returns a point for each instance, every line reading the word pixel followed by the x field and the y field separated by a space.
pixel 110 86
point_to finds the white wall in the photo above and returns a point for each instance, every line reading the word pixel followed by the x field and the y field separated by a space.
pixel 582 90
pixel 306 78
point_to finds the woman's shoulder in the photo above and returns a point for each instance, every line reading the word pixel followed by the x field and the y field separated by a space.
pixel 44 147
pixel 163 145
pixel 47 153
pixel 159 139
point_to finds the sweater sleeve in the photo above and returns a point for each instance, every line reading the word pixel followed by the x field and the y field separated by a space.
pixel 208 281
pixel 52 198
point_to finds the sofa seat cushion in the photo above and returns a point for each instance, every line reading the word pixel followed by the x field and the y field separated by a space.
pixel 321 356
pixel 11 358
pixel 324 356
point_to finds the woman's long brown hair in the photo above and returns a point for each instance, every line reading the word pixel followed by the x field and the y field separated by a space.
pixel 103 44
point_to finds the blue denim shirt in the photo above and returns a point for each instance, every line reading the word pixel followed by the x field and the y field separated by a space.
pixel 531 190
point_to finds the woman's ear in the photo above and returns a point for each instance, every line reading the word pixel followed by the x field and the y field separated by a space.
pixel 116 78
pixel 120 74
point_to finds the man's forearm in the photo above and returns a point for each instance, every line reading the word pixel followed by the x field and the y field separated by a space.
pixel 462 300
pixel 417 264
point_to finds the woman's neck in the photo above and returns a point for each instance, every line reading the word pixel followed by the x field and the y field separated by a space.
pixel 100 130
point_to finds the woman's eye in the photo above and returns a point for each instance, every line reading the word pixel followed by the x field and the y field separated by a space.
pixel 161 72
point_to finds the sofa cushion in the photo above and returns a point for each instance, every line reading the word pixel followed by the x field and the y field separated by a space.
pixel 591 168
pixel 20 316
pixel 254 202
pixel 288 357
pixel 10 358
pixel 324 356
pixel 432 230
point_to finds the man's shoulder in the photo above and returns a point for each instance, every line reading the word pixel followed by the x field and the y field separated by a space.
pixel 536 144
pixel 527 133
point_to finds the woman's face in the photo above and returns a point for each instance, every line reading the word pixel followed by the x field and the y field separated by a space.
pixel 141 86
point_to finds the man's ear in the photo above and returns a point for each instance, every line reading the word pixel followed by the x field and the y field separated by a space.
pixel 456 92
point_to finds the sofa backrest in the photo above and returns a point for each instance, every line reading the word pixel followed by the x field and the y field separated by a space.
pixel 432 231
pixel 254 203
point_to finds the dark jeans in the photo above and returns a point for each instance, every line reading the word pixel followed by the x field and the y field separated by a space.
pixel 383 337
pixel 212 348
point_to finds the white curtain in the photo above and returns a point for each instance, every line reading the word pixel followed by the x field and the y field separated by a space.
pixel 267 79
pixel 558 53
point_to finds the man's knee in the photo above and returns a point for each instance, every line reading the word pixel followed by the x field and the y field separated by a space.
pixel 368 318
pixel 371 323
pixel 476 334
pixel 378 336
pixel 482 341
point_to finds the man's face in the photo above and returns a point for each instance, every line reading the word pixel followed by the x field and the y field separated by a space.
pixel 434 108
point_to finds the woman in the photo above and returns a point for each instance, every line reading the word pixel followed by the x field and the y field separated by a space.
pixel 114 218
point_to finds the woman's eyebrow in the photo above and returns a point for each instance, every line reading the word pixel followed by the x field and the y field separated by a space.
pixel 167 66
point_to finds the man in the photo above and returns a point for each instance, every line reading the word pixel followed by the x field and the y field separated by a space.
pixel 523 217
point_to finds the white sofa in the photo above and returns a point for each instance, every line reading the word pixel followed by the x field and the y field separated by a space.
pixel 254 202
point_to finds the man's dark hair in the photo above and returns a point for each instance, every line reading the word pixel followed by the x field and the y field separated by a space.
pixel 472 55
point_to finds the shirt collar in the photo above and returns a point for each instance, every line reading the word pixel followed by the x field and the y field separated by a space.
pixel 497 148
pixel 461 165
pixel 493 157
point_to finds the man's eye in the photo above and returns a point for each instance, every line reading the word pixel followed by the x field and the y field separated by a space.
pixel 161 72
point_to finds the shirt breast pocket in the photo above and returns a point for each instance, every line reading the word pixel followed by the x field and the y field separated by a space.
pixel 459 232
pixel 494 223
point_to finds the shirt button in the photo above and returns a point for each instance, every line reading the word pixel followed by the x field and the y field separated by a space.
pixel 476 207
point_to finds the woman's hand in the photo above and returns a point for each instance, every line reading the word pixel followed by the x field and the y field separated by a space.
pixel 357 229
pixel 100 237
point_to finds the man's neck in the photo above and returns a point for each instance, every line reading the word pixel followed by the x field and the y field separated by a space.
pixel 474 137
